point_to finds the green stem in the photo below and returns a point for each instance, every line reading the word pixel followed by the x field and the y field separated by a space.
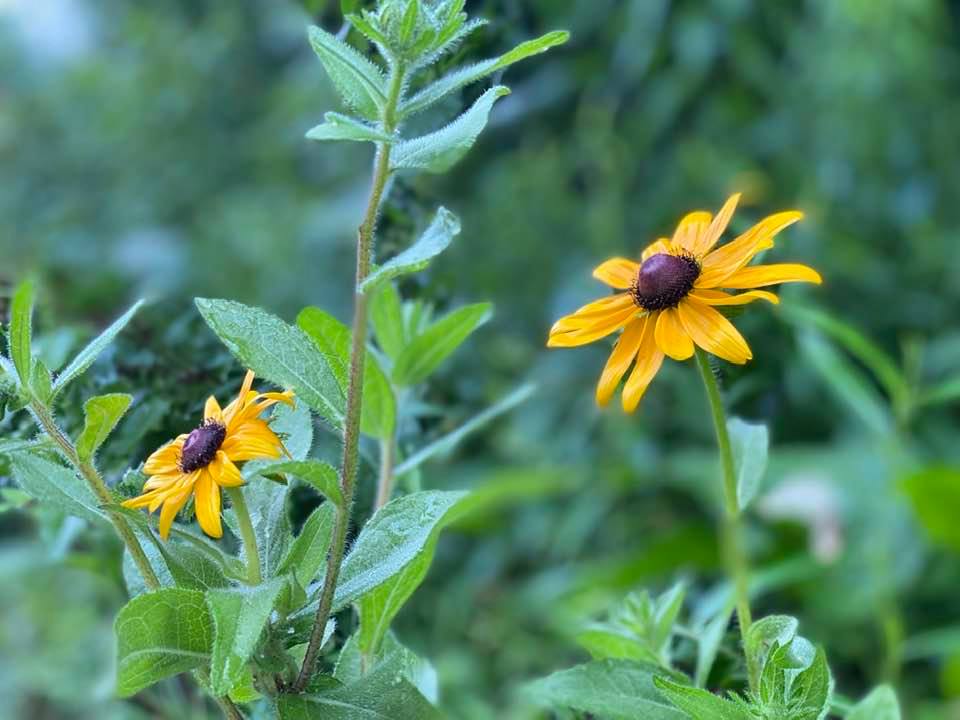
pixel 247 534
pixel 737 562
pixel 385 484
pixel 88 472
pixel 351 433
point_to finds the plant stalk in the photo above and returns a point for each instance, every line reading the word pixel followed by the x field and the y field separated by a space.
pixel 738 565
pixel 385 484
pixel 89 472
pixel 351 439
pixel 247 534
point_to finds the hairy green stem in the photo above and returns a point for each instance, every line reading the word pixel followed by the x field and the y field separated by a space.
pixel 351 434
pixel 737 562
pixel 247 534
pixel 228 708
pixel 89 472
pixel 385 483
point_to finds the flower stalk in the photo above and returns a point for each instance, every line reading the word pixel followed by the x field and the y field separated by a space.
pixel 247 534
pixel 735 556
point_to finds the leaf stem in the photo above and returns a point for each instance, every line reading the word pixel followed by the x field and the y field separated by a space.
pixel 351 438
pixel 247 533
pixel 738 565
pixel 385 483
pixel 88 471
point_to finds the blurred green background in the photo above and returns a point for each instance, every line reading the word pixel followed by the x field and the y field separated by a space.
pixel 156 149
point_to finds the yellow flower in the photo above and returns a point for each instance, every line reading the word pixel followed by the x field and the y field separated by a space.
pixel 203 461
pixel 670 296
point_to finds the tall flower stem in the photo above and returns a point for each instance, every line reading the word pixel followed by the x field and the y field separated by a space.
pixel 351 433
pixel 247 534
pixel 737 562
pixel 88 471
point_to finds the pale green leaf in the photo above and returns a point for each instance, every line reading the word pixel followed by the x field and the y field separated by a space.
pixel 359 81
pixel 709 639
pixel 701 704
pixel 41 382
pixel 767 634
pixel 55 485
pixel 319 475
pixel 102 415
pixel 604 642
pixel 386 316
pixel 308 553
pixel 425 352
pixel 342 127
pixel 21 330
pixel 811 690
pixel 881 704
pixel 750 445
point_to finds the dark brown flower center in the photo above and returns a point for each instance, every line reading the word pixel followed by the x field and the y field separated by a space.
pixel 664 280
pixel 201 445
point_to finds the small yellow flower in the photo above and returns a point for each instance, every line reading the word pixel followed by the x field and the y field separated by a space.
pixel 203 461
pixel 670 296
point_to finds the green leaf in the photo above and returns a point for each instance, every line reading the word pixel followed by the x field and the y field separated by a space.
pixel 612 689
pixel 56 485
pixel 881 704
pixel 701 704
pixel 425 352
pixel 440 150
pixel 21 331
pixel 470 74
pixel 278 352
pixel 709 639
pixel 41 382
pixel 308 553
pixel 85 358
pixel 394 538
pixel 239 618
pixel 102 415
pixel 386 316
pixel 332 338
pixel 342 127
pixel 604 642
pixel 750 443
pixel 319 475
pixel 810 693
pixel 352 665
pixel 934 494
pixel 160 634
pixel 267 503
pixel 943 393
pixel 767 634
pixel 359 81
pixel 435 240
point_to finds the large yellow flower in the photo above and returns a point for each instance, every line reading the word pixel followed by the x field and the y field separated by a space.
pixel 669 299
pixel 203 461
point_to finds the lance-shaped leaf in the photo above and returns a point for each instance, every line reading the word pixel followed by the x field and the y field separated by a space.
pixel 86 356
pixel 471 73
pixel 749 444
pixel 359 82
pixel 308 552
pixel 386 316
pixel 425 352
pixel 102 415
pixel 278 352
pixel 160 634
pixel 342 127
pixel 440 150
pixel 321 476
pixel 435 240
pixel 21 331
pixel 56 485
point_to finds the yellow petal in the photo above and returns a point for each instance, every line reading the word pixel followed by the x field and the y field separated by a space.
pixel 226 473
pixel 212 411
pixel 691 228
pixel 671 338
pixel 170 509
pixel 761 275
pixel 593 331
pixel 618 273
pixel 726 260
pixel 620 360
pixel 713 332
pixel 718 297
pixel 709 238
pixel 592 312
pixel 165 460
pixel 649 360
pixel 207 504
pixel 661 246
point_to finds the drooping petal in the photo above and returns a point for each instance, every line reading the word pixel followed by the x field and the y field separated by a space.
pixel 718 297
pixel 762 275
pixel 618 273
pixel 594 330
pixel 251 445
pixel 620 360
pixel 661 246
pixel 207 504
pixel 649 360
pixel 723 262
pixel 164 461
pixel 671 337
pixel 709 238
pixel 713 332
pixel 225 472
pixel 691 228
pixel 591 312
pixel 170 509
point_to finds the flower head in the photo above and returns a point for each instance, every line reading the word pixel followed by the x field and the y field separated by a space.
pixel 202 461
pixel 668 300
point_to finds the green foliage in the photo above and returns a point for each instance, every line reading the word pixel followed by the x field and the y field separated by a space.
pixel 935 495
pixel 20 332
pixel 359 81
pixel 697 703
pixel 318 475
pixel 433 345
pixel 53 484
pixel 750 443
pixel 102 415
pixel 881 704
pixel 308 552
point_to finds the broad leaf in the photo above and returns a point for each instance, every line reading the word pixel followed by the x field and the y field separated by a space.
pixel 308 553
pixel 278 352
pixel 239 617
pixel 425 352
pixel 440 150
pixel 319 475
pixel 750 444
pixel 881 704
pixel 160 634
pixel 85 358
pixel 811 690
pixel 267 503
pixel 767 634
pixel 56 485
pixel 435 240
pixel 342 127
pixel 359 82
pixel 701 704
pixel 102 415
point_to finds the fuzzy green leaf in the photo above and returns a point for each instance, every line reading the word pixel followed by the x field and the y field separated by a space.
pixel 342 127
pixel 881 704
pixel 810 692
pixel 102 415
pixel 435 240
pixel 160 634
pixel 278 352
pixel 386 316
pixel 21 331
pixel 440 150
pixel 750 444
pixel 41 382
pixel 319 475
pixel 425 353
pixel 701 704
pixel 767 634
pixel 56 485
pixel 359 82
pixel 308 553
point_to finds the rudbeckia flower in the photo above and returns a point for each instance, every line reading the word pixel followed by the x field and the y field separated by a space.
pixel 199 463
pixel 668 300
